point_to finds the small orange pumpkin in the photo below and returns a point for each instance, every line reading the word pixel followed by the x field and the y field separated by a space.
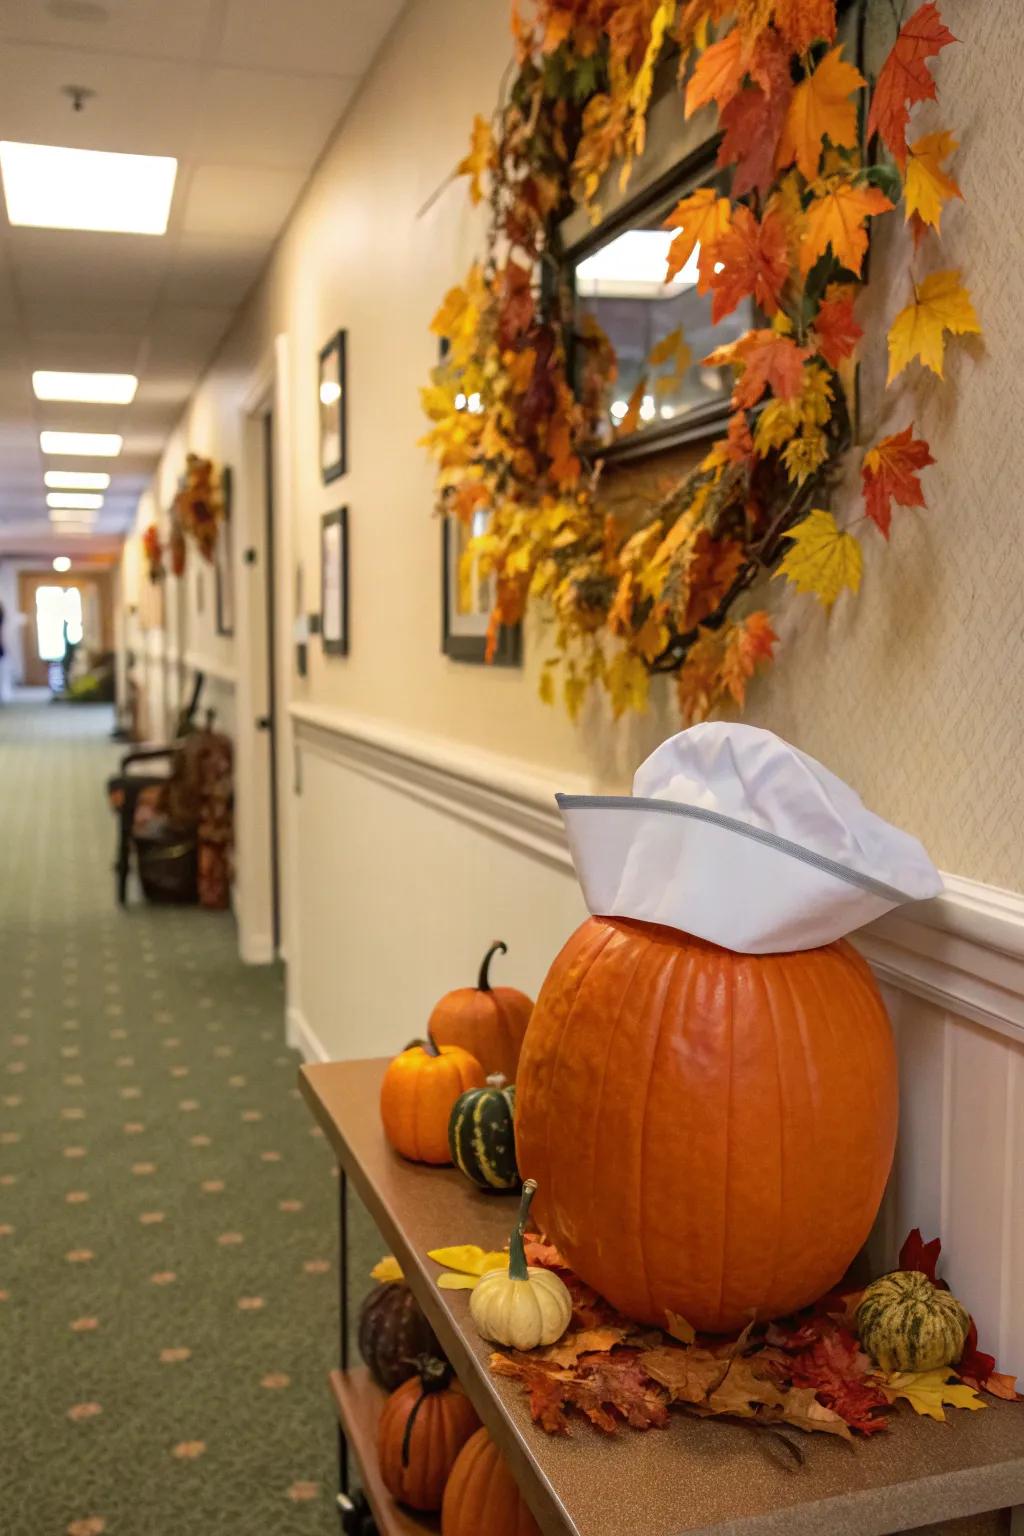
pixel 416 1097
pixel 422 1429
pixel 711 1132
pixel 488 1021
pixel 482 1496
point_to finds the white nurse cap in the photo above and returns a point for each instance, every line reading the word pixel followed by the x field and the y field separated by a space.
pixel 735 836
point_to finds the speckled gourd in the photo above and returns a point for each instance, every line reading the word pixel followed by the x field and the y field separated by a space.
pixel 908 1324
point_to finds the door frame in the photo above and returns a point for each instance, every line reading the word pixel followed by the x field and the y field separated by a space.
pixel 268 392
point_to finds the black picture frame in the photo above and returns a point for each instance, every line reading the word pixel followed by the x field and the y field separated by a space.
pixel 334 626
pixel 223 561
pixel 468 643
pixel 332 410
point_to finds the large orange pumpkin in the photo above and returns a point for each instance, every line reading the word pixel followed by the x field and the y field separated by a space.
pixel 711 1132
pixel 417 1093
pixel 482 1497
pixel 487 1021
pixel 423 1427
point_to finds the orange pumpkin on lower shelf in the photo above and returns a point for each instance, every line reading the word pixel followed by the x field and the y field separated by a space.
pixel 417 1094
pixel 711 1132
pixel 423 1427
pixel 482 1497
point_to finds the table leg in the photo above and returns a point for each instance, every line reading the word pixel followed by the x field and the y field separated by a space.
pixel 343 1468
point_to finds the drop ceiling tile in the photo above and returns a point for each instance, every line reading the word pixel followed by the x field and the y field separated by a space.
pixel 145 108
pixel 63 312
pixel 240 201
pixel 154 27
pixel 85 351
pixel 320 37
pixel 281 121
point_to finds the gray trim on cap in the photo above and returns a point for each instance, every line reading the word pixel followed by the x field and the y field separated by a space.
pixel 730 824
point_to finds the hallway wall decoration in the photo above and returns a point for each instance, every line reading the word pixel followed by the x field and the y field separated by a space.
pixel 332 396
pixel 812 154
pixel 153 550
pixel 468 598
pixel 334 582
pixel 223 563
pixel 199 504
pixel 177 546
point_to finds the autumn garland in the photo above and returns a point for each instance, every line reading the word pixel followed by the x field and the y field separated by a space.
pixel 814 156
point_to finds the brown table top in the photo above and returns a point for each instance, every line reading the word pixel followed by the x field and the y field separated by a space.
pixel 697 1476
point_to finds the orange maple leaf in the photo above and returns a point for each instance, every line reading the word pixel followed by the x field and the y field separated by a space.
pixel 718 73
pixel 739 445
pixel 904 79
pixel 836 218
pixel 803 22
pixel 890 473
pixel 835 328
pixel 751 261
pixel 747 643
pixel 822 106
pixel 700 219
pixel 768 361
pixel 478 162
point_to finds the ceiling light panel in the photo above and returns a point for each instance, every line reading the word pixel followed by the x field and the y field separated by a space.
pixel 80 501
pixel 99 445
pixel 56 188
pixel 94 388
pixel 76 480
pixel 71 515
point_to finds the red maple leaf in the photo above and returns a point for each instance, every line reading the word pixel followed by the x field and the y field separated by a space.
pixel 974 1365
pixel 770 362
pixel 904 79
pixel 836 329
pixel 919 1255
pixel 836 1367
pixel 753 259
pixel 739 445
pixel 752 120
pixel 890 473
pixel 803 22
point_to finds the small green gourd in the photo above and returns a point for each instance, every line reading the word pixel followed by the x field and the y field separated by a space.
pixel 481 1135
pixel 908 1324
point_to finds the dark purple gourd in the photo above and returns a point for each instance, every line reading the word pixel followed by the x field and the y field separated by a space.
pixel 392 1333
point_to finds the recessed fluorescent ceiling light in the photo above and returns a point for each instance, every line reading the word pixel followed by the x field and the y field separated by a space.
pixel 92 445
pixel 77 480
pixel 62 528
pixel 82 501
pixel 68 515
pixel 96 388
pixel 55 188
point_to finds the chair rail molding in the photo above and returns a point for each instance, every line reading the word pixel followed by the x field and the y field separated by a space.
pixel 963 950
pixel 223 672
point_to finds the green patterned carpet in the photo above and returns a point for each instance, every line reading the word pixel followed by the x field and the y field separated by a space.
pixel 167 1214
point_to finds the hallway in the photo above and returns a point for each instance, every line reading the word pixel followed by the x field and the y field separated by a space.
pixel 167 1218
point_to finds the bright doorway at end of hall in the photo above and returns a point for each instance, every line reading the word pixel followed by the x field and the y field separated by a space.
pixel 61 614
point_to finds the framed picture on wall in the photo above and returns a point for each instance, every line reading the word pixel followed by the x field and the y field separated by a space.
pixel 334 582
pixel 223 562
pixel 332 407
pixel 467 606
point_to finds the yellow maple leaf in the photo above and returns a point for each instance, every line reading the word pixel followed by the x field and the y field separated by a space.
pixel 386 1270
pixel 941 303
pixel 574 690
pixel 836 218
pixel 821 106
pixel 673 349
pixel 468 1259
pixel 776 424
pixel 627 681
pixel 822 559
pixel 478 161
pixel 804 454
pixel 928 188
pixel 643 81
pixel 701 219
pixel 926 1391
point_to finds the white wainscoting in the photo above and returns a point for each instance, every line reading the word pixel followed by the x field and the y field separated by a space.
pixel 416 852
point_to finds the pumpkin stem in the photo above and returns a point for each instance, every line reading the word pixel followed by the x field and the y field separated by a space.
pixel 434 1376
pixel 429 1045
pixel 497 1080
pixel 483 983
pixel 517 1269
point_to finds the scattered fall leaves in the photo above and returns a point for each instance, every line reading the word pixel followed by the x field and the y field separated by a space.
pixel 941 305
pixel 927 1391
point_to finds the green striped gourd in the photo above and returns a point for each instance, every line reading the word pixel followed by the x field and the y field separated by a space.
pixel 909 1324
pixel 481 1136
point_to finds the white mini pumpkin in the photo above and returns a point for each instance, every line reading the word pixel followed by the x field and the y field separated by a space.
pixel 521 1307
